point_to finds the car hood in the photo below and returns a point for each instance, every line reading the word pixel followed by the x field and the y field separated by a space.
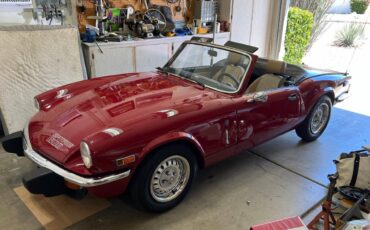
pixel 98 109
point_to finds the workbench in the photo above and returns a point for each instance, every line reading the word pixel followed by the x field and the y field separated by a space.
pixel 110 58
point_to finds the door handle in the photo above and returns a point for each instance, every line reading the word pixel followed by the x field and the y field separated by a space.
pixel 258 97
pixel 292 97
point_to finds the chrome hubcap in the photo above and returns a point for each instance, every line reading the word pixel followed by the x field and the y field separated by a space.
pixel 170 178
pixel 319 118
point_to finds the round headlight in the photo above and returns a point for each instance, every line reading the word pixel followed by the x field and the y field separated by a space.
pixel 36 103
pixel 85 154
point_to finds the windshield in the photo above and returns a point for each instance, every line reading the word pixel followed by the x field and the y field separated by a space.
pixel 212 67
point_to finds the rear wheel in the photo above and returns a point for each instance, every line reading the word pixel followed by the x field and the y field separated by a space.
pixel 315 123
pixel 164 179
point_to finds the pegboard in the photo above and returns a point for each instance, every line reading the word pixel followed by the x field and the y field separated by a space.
pixel 137 4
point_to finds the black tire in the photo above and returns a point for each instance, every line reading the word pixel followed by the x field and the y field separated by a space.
pixel 140 188
pixel 305 130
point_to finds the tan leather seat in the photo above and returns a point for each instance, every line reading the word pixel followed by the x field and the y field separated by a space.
pixel 233 68
pixel 272 80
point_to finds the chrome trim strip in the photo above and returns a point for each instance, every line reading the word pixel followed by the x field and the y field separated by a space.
pixel 69 176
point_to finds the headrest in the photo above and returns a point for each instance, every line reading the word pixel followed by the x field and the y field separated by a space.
pixel 234 58
pixel 274 66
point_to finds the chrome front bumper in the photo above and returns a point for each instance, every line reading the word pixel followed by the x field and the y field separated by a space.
pixel 69 176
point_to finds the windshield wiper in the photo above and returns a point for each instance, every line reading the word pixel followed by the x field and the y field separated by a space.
pixel 195 81
pixel 162 70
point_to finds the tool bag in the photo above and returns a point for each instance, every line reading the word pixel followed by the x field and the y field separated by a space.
pixel 354 169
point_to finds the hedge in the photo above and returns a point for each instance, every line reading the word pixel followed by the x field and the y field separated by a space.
pixel 298 34
pixel 359 6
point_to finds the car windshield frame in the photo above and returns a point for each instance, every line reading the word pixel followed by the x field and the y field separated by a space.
pixel 211 45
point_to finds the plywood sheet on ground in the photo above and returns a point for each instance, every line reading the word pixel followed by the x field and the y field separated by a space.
pixel 61 211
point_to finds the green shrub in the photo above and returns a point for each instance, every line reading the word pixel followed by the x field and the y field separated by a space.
pixel 298 34
pixel 348 35
pixel 359 6
pixel 319 8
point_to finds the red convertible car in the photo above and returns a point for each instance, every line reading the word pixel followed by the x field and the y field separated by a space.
pixel 149 133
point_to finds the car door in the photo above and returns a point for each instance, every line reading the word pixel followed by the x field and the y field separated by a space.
pixel 264 115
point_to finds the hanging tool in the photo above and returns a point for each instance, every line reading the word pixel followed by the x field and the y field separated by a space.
pixel 51 11
pixel 185 8
pixel 100 16
pixel 178 7
pixel 145 4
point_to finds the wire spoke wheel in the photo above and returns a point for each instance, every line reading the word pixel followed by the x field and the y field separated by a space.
pixel 316 121
pixel 320 118
pixel 164 178
pixel 169 178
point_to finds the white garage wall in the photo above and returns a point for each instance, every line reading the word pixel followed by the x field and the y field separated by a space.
pixel 259 23
pixel 260 31
pixel 242 21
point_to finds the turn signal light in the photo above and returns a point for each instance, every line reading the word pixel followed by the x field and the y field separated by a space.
pixel 72 186
pixel 126 160
pixel 36 103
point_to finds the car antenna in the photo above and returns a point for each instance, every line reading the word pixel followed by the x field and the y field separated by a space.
pixel 354 51
pixel 214 33
pixel 214 27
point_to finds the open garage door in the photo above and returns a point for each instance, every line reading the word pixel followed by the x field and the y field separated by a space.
pixel 343 45
pixel 350 122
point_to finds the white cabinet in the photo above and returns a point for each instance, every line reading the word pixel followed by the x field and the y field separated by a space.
pixel 151 56
pixel 111 60
pixel 134 56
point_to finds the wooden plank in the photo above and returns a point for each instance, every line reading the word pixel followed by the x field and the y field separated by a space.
pixel 61 211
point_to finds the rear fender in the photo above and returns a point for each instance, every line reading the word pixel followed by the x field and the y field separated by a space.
pixel 313 89
pixel 328 91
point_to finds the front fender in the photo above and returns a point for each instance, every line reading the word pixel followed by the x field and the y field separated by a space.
pixel 171 137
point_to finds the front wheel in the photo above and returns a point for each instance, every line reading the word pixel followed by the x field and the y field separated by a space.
pixel 315 123
pixel 164 179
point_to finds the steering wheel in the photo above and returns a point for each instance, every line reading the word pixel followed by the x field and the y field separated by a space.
pixel 231 77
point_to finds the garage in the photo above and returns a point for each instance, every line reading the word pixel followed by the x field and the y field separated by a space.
pixel 184 114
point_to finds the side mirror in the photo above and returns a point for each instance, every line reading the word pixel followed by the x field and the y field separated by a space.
pixel 258 97
pixel 212 53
